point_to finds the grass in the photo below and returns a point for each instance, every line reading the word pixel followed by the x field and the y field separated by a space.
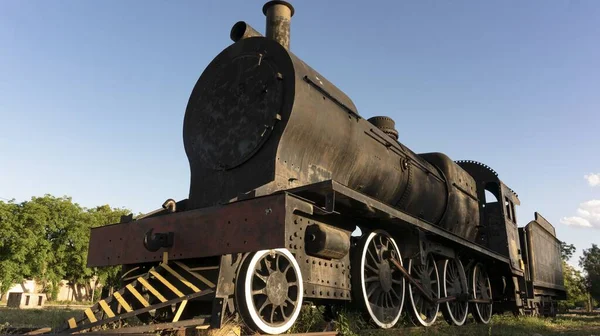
pixel 511 325
pixel 34 318
pixel 350 323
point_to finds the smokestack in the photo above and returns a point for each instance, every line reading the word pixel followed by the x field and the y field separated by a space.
pixel 279 15
pixel 242 30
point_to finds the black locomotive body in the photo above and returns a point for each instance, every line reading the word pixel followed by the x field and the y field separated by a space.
pixel 283 170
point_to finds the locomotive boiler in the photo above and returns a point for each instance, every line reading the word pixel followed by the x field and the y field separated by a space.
pixel 283 169
pixel 260 120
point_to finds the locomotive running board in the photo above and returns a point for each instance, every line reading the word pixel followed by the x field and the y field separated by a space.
pixel 261 220
pixel 168 284
pixel 335 197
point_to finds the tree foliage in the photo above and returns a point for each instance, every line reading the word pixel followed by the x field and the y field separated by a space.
pixel 574 280
pixel 567 250
pixel 47 238
pixel 590 262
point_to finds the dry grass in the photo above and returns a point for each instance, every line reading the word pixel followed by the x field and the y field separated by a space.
pixel 504 325
pixel 351 324
pixel 35 318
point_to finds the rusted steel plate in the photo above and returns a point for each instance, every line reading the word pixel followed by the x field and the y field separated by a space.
pixel 354 203
pixel 243 226
pixel 544 255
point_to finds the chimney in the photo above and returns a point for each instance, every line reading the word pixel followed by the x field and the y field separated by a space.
pixel 242 30
pixel 279 15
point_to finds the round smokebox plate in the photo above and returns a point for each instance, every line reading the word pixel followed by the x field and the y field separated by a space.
pixel 234 112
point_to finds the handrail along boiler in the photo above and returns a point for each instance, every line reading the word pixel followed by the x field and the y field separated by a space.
pixel 283 170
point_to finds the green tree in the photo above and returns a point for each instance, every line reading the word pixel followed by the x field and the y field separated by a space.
pixel 57 222
pixel 13 249
pixel 590 262
pixel 567 250
pixel 47 239
pixel 100 216
pixel 574 281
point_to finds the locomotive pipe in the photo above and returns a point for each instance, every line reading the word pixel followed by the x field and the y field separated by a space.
pixel 242 30
pixel 279 15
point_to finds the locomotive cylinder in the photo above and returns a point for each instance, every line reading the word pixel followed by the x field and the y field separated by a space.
pixel 327 241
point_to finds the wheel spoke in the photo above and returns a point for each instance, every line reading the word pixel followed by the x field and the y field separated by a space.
pixel 390 299
pixel 378 251
pixel 273 313
pixel 261 277
pixel 264 305
pixel 393 291
pixel 374 270
pixel 371 279
pixel 288 299
pixel 372 289
pixel 382 302
pixel 283 312
pixel 259 291
pixel 371 255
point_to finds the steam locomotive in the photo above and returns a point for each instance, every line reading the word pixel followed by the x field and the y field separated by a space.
pixel 283 171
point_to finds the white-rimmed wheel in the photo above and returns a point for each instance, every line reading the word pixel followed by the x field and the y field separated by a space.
pixel 482 290
pixel 455 284
pixel 269 291
pixel 376 284
pixel 423 312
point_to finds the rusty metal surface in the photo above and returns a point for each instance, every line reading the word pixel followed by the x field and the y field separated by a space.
pixel 281 136
pixel 412 281
pixel 543 222
pixel 238 227
pixel 225 290
pixel 324 278
pixel 544 257
pixel 326 241
pixel 462 208
pixel 497 218
pixel 259 120
pixel 279 14
pixel 127 315
pixel 376 214
pixel 242 30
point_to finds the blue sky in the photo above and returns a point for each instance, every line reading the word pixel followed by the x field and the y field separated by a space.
pixel 93 93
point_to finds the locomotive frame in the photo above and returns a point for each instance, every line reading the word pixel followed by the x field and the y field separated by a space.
pixel 263 253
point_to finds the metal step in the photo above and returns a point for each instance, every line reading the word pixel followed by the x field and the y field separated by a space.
pixel 168 285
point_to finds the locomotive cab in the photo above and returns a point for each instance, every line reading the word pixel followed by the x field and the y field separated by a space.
pixel 499 230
